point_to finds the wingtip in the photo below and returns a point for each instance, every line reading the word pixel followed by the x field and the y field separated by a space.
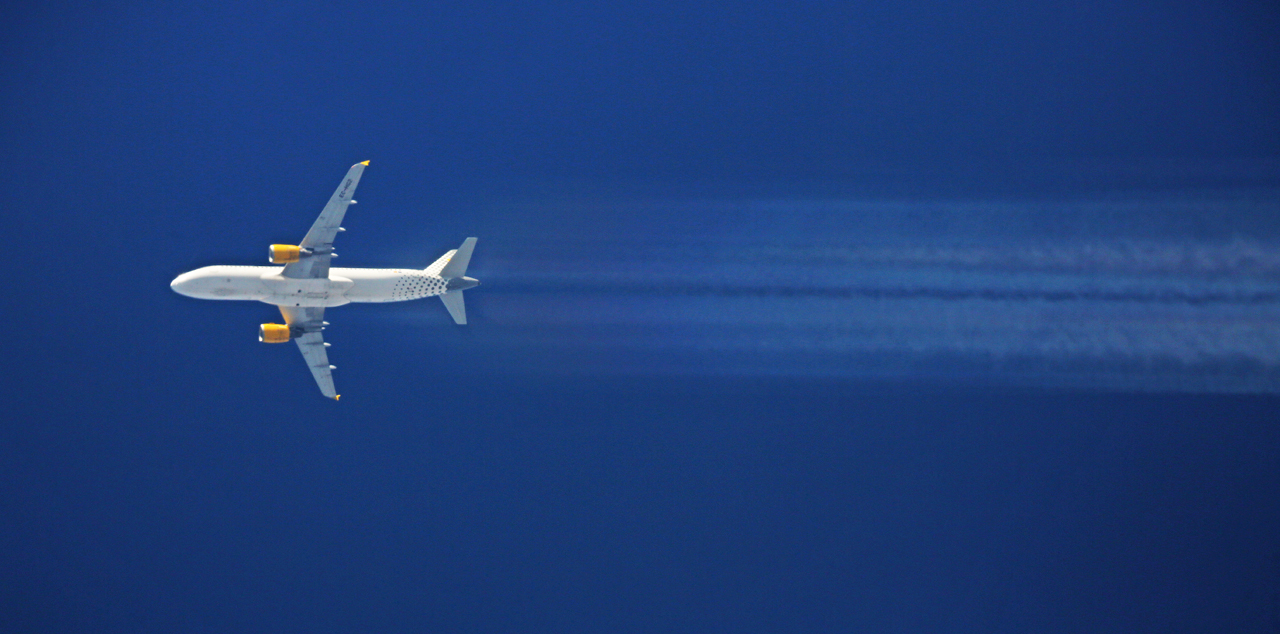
pixel 337 396
pixel 364 163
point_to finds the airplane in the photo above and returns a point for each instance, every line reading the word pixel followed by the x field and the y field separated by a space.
pixel 305 285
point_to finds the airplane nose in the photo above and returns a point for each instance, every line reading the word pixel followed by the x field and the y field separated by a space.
pixel 179 283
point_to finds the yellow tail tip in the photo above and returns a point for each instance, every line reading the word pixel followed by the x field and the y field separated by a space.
pixel 365 163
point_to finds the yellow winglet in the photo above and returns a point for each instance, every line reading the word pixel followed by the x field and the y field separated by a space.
pixel 365 163
pixel 337 396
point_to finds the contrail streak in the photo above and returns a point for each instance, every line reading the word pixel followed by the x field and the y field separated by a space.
pixel 873 292
pixel 1146 295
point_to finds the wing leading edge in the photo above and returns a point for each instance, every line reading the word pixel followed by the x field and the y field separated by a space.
pixel 307 323
pixel 318 243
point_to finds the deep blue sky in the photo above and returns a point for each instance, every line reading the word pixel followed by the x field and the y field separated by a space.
pixel 161 471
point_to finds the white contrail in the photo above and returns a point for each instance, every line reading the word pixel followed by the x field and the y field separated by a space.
pixel 1131 295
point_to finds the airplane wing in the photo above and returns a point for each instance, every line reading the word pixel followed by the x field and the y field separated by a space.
pixel 312 345
pixel 319 239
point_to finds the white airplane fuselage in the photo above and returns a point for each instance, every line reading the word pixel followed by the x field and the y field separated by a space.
pixel 343 286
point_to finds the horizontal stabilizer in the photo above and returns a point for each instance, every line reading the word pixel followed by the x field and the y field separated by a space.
pixel 457 266
pixel 453 302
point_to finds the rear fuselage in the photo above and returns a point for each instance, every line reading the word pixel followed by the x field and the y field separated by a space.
pixel 344 286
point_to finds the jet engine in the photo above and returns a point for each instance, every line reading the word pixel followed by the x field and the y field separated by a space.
pixel 284 253
pixel 273 333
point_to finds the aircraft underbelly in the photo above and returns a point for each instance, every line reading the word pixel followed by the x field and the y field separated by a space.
pixel 306 293
pixel 388 285
pixel 366 291
pixel 307 300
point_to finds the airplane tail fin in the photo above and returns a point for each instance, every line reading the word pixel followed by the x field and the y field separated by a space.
pixel 453 268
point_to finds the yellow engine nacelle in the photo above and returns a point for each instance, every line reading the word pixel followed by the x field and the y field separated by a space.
pixel 273 333
pixel 284 253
